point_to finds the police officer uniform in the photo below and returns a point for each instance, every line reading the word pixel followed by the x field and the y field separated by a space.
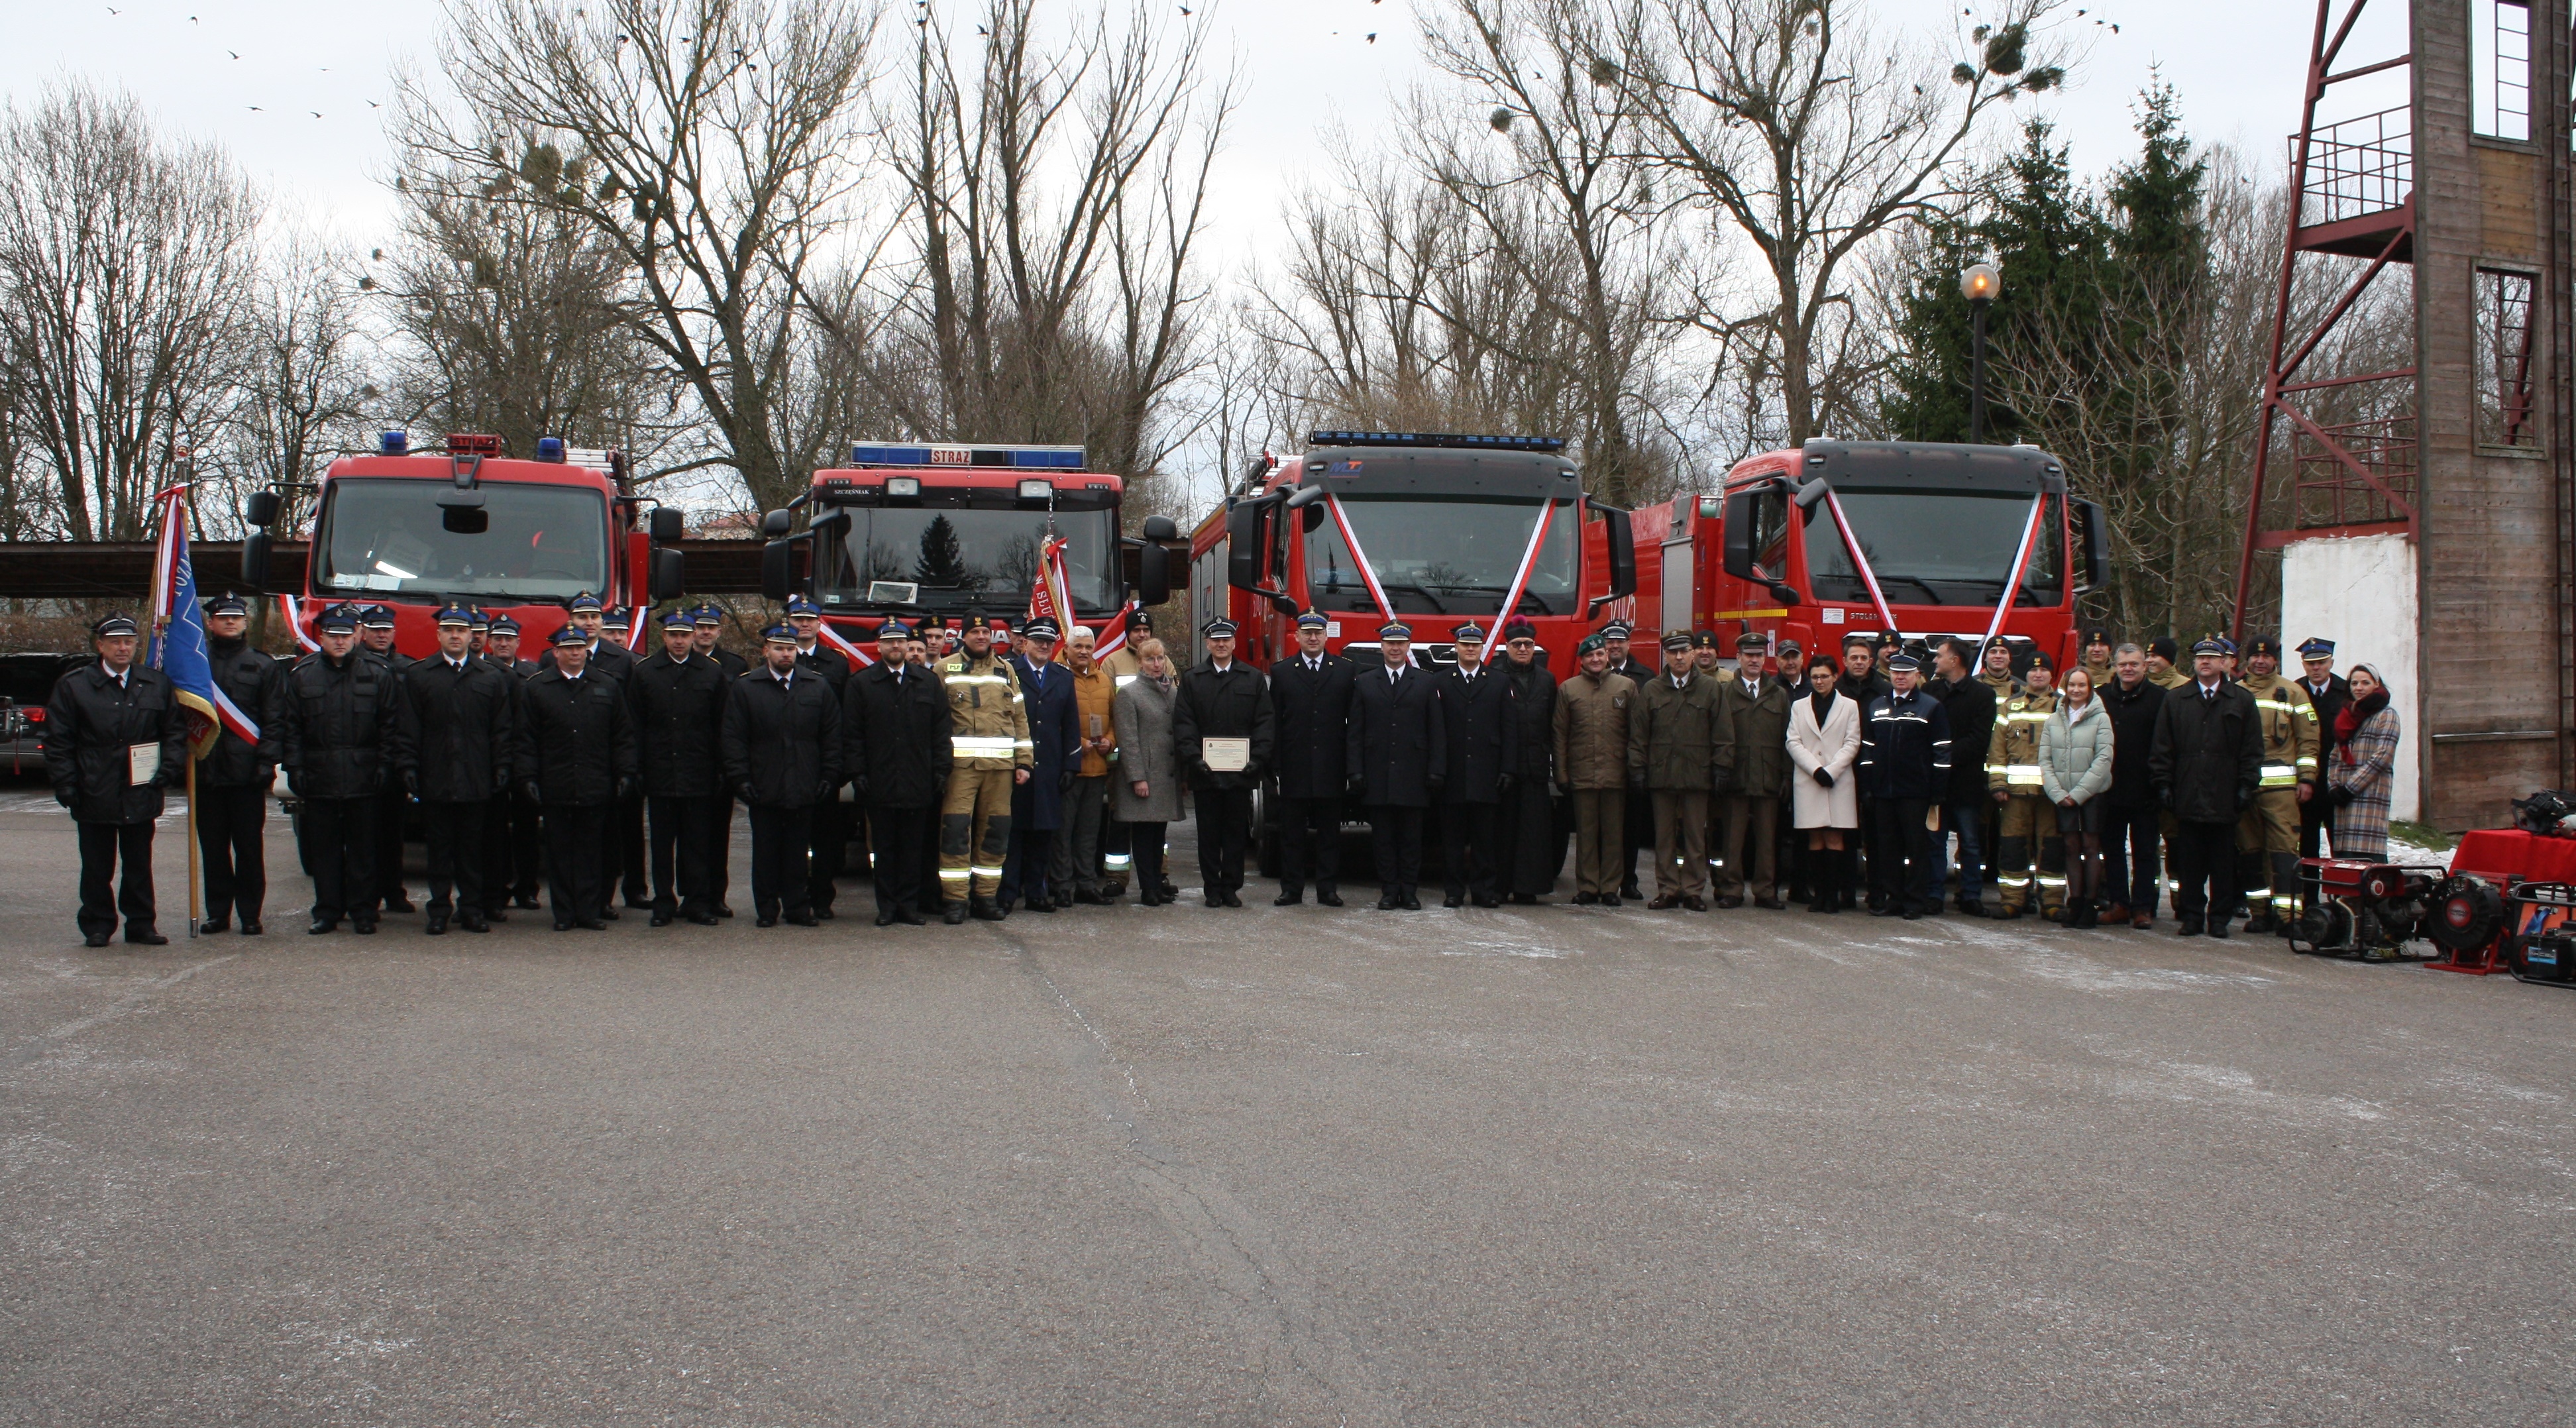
pixel 376 640
pixel 1399 759
pixel 678 706
pixel 1480 738
pixel 2025 818
pixel 988 744
pixel 343 743
pixel 1228 703
pixel 575 759
pixel 832 824
pixel 895 729
pixel 709 621
pixel 1310 697
pixel 2267 833
pixel 782 754
pixel 1638 818
pixel 233 778
pixel 514 834
pixel 456 761
pixel 1055 758
pixel 1905 767
pixel 2326 699
pixel 617 630
pixel 113 740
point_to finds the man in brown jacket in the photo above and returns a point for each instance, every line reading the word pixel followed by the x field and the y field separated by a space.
pixel 1752 769
pixel 1672 754
pixel 1592 762
pixel 1086 804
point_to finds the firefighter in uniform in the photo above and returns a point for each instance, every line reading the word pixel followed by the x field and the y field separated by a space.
pixel 106 723
pixel 233 778
pixel 990 752
pixel 513 855
pixel 2025 816
pixel 2267 832
pixel 2327 695
pixel 708 622
pixel 2097 657
pixel 343 742
pixel 2162 651
pixel 678 698
pixel 575 759
pixel 376 639
pixel 832 824
pixel 782 754
pixel 456 761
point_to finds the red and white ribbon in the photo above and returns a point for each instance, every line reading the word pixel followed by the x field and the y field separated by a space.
pixel 858 658
pixel 295 623
pixel 1860 562
pixel 1359 558
pixel 1520 578
pixel 2021 562
pixel 1113 636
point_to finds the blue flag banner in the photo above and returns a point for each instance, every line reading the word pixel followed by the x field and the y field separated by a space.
pixel 179 640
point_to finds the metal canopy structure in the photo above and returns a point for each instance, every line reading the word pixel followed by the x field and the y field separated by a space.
pixel 2462 452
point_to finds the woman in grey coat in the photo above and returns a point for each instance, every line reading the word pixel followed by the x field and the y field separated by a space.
pixel 1147 782
pixel 2075 748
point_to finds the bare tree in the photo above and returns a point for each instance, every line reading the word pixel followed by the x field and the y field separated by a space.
pixel 303 382
pixel 1056 199
pixel 124 263
pixel 1813 137
pixel 717 146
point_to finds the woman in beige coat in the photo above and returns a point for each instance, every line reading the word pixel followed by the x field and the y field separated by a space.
pixel 1824 742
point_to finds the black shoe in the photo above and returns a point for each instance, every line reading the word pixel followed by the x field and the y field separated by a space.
pixel 1411 903
pixel 952 913
pixel 1388 902
pixel 526 902
pixel 1631 892
pixel 211 926
pixel 1882 911
pixel 1525 899
pixel 1612 899
pixel 2218 929
pixel 322 925
pixel 1454 900
pixel 1062 899
pixel 363 926
pixel 764 922
pixel 1094 897
pixel 1695 903
pixel 400 902
pixel 1042 904
pixel 1488 900
pixel 563 924
pixel 1585 899
pixel 437 925
pixel 2189 927
pixel 100 939
pixel 606 914
pixel 1729 902
pixel 1290 897
pixel 658 919
pixel 823 911
pixel 984 909
pixel 640 904
pixel 1328 897
pixel 597 924
pixel 702 918
pixel 473 922
pixel 496 914
pixel 885 917
pixel 251 927
pixel 1913 913
pixel 910 918
pixel 723 911
pixel 803 919
pixel 1972 908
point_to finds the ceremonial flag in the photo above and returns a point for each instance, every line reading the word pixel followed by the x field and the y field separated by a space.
pixel 179 640
pixel 1051 594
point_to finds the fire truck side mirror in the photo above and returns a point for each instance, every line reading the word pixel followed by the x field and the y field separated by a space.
pixel 667 573
pixel 1739 535
pixel 2097 546
pixel 254 560
pixel 1161 528
pixel 667 525
pixel 777 569
pixel 1246 536
pixel 1620 537
pixel 260 509
pixel 1153 573
pixel 777 524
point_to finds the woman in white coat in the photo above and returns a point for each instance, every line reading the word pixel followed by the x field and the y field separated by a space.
pixel 1824 742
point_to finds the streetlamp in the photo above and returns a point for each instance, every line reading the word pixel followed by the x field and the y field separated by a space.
pixel 1978 285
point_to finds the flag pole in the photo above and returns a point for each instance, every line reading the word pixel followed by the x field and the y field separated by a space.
pixel 196 908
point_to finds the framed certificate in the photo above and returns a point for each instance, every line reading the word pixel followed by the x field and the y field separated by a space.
pixel 1226 755
pixel 142 763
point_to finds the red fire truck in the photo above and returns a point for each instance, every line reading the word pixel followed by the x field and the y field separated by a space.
pixel 1434 530
pixel 462 521
pixel 915 530
pixel 1842 536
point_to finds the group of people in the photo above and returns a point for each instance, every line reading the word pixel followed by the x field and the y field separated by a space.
pixel 990 770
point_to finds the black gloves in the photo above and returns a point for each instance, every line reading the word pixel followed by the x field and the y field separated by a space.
pixel 859 786
pixel 64 796
pixel 1064 781
pixel 1436 782
pixel 824 789
pixel 411 782
pixel 1636 781
pixel 625 787
pixel 1824 779
pixel 528 791
pixel 2342 797
pixel 746 792
pixel 2164 797
pixel 1502 783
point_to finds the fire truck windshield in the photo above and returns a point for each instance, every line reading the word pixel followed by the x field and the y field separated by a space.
pixel 1443 555
pixel 1933 547
pixel 963 556
pixel 386 536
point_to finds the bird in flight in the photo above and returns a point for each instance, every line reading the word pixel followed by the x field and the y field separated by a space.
pixel 236 54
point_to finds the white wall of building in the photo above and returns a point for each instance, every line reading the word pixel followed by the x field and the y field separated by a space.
pixel 2360 593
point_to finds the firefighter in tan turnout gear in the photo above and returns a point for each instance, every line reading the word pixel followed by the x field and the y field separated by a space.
pixel 2267 832
pixel 989 751
pixel 2026 817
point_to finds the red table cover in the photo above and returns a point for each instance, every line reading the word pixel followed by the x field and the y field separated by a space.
pixel 2506 854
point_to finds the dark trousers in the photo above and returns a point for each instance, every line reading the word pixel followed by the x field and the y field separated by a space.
pixel 527 849
pixel 1395 835
pixel 1637 834
pixel 2316 825
pixel 338 839
pixel 1225 825
pixel 1900 864
pixel 1310 842
pixel 928 894
pixel 782 850
pixel 392 806
pixel 1116 856
pixel 1147 841
pixel 627 822
pixel 495 851
pixel 1470 839
pixel 719 811
pixel 2134 829
pixel 900 859
pixel 453 831
pixel 101 898
pixel 831 835
pixel 1529 845
pixel 577 852
pixel 2204 869
pixel 681 831
pixel 229 825
pixel 1026 867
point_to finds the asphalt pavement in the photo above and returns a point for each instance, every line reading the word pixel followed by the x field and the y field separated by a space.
pixel 1551 1165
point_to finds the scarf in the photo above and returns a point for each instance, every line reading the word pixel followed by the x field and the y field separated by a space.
pixel 2350 718
pixel 1822 701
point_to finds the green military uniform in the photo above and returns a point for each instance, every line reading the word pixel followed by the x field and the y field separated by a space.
pixel 2012 767
pixel 2267 833
pixel 988 742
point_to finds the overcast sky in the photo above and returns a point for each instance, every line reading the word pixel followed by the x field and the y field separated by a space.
pixel 201 66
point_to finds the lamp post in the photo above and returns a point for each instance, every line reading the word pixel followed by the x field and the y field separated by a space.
pixel 1978 285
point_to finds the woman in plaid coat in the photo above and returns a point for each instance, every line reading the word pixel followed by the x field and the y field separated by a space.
pixel 2361 767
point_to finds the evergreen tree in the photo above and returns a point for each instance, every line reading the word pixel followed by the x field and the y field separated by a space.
pixel 943 562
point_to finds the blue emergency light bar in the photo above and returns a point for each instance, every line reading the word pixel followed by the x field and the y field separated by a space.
pixel 1446 441
pixel 1019 458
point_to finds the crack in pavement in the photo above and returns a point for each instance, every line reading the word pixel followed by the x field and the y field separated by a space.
pixel 36 1046
pixel 1290 1339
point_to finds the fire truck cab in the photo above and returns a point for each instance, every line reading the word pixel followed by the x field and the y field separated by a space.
pixel 463 522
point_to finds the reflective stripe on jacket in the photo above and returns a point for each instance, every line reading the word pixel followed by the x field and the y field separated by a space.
pixel 2012 750
pixel 988 719
pixel 2290 734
